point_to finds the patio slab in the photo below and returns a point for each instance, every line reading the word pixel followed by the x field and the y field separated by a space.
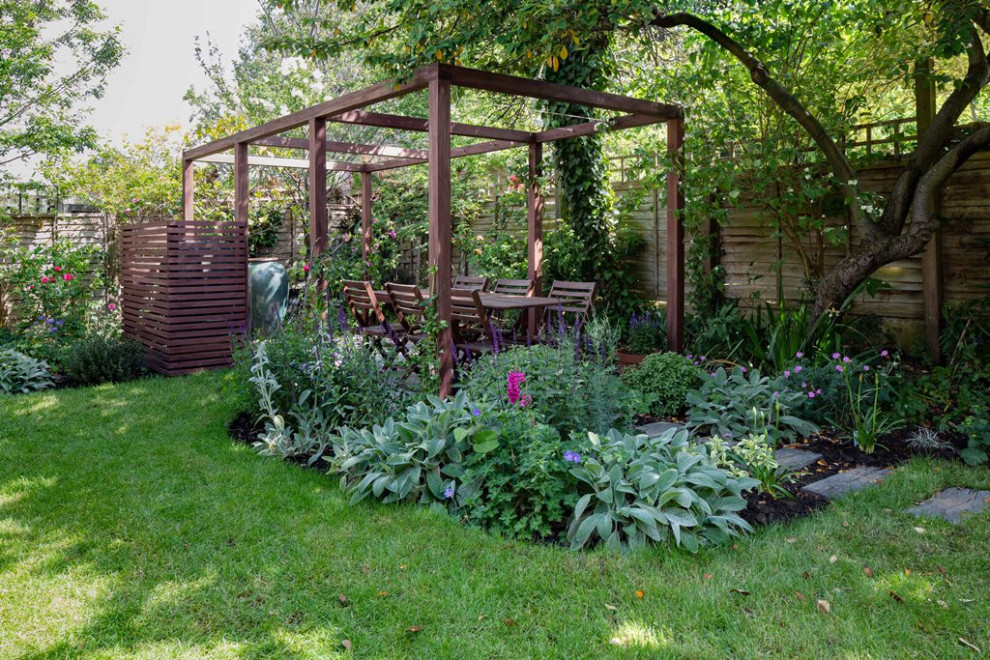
pixel 847 482
pixel 796 459
pixel 953 504
pixel 656 428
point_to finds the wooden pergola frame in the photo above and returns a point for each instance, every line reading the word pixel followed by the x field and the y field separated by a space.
pixel 438 80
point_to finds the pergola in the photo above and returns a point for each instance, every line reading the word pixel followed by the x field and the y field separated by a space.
pixel 438 79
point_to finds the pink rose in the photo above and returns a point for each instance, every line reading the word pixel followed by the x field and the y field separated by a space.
pixel 68 277
pixel 44 280
pixel 305 268
pixel 111 307
pixel 58 268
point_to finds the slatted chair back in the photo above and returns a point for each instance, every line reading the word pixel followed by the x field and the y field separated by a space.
pixel 407 301
pixel 363 303
pixel 467 312
pixel 471 282
pixel 513 287
pixel 576 297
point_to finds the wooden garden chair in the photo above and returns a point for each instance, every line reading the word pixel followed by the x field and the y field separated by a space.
pixel 363 303
pixel 576 300
pixel 471 283
pixel 472 329
pixel 513 287
pixel 407 301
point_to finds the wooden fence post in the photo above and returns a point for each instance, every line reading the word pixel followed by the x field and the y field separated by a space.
pixel 931 259
pixel 440 231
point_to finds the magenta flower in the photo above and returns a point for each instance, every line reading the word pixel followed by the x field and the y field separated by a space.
pixel 305 268
pixel 391 233
pixel 838 367
pixel 836 356
pixel 516 378
pixel 112 306
pixel 845 359
pixel 787 373
pixel 811 395
pixel 44 280
pixel 799 355
pixel 798 369
pixel 884 353
pixel 866 367
pixel 68 277
pixel 804 385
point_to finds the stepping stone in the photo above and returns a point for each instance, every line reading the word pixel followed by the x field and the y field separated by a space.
pixel 656 428
pixel 953 504
pixel 796 459
pixel 847 482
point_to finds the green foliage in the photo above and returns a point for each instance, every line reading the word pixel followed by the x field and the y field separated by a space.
pixel 976 426
pixel 56 58
pixel 413 458
pixel 102 359
pixel 751 456
pixel 646 333
pixel 732 404
pixel 654 489
pixel 571 390
pixel 521 488
pixel 20 373
pixel 664 379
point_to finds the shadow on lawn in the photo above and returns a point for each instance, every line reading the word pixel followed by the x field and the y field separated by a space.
pixel 108 493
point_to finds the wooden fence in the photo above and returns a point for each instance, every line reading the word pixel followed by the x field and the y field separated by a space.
pixel 185 292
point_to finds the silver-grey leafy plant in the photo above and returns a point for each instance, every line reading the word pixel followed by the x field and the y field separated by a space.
pixel 417 457
pixel 658 490
pixel 20 374
pixel 733 404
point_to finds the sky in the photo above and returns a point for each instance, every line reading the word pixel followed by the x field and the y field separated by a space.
pixel 147 88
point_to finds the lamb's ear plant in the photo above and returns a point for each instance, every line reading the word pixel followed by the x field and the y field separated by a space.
pixel 658 490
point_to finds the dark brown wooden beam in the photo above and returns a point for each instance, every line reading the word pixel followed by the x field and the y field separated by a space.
pixel 399 122
pixel 439 225
pixel 675 237
pixel 932 287
pixel 534 240
pixel 317 186
pixel 589 127
pixel 459 152
pixel 541 89
pixel 188 190
pixel 268 161
pixel 242 191
pixel 366 217
pixel 352 101
pixel 343 147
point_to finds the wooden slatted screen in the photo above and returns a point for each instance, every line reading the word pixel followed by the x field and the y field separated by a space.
pixel 185 292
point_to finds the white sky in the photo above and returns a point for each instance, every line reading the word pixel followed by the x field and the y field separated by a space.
pixel 147 88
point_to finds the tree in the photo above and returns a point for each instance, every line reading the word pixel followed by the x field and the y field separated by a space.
pixel 54 56
pixel 400 34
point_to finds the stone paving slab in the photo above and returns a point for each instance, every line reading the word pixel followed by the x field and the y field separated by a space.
pixel 656 428
pixel 953 504
pixel 796 459
pixel 847 482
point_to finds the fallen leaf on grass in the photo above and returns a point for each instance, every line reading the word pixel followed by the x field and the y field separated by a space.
pixel 382 593
pixel 966 600
pixel 823 606
pixel 791 539
pixel 943 604
pixel 907 572
pixel 920 530
pixel 968 644
pixel 347 644
pixel 402 567
pixel 707 576
pixel 845 523
pixel 610 607
pixel 510 622
pixel 896 597
pixel 800 596
pixel 482 617
pixel 868 571
pixel 640 593
pixel 414 629
pixel 807 575
pixel 343 601
pixel 833 559
pixel 741 592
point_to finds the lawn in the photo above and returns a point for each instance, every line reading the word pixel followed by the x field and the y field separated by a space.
pixel 131 526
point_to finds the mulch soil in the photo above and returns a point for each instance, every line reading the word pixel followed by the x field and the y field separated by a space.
pixel 838 455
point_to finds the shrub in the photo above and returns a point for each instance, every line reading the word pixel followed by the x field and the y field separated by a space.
pixel 647 333
pixel 664 379
pixel 522 487
pixel 731 405
pixel 570 390
pixel 416 458
pixel 654 489
pixel 20 374
pixel 99 359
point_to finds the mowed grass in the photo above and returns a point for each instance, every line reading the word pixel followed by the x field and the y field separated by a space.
pixel 131 526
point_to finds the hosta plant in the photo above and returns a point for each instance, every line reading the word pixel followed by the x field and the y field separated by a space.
pixel 20 373
pixel 752 456
pixel 415 457
pixel 659 489
pixel 732 404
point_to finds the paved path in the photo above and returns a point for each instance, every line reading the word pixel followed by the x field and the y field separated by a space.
pixel 953 504
pixel 847 482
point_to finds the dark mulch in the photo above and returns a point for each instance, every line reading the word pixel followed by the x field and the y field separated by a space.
pixel 762 509
pixel 244 428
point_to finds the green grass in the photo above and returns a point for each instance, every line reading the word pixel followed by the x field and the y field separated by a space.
pixel 131 526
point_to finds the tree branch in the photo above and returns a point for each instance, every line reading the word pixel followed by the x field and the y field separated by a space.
pixel 786 101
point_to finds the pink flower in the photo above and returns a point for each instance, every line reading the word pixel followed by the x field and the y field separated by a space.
pixel 836 356
pixel 884 353
pixel 787 373
pixel 811 395
pixel 845 359
pixel 866 367
pixel 798 369
pixel 305 268
pixel 799 355
pixel 57 268
pixel 514 179
pixel 44 280
pixel 516 378
pixel 68 277
pixel 111 307
pixel 391 233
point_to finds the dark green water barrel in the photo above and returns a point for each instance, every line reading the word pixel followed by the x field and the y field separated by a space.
pixel 268 294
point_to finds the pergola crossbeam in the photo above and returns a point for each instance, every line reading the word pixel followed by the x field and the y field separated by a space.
pixel 459 152
pixel 400 122
pixel 344 147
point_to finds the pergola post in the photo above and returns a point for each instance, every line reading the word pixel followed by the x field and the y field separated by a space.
pixel 188 190
pixel 366 218
pixel 535 229
pixel 439 211
pixel 317 186
pixel 932 292
pixel 675 237
pixel 241 204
